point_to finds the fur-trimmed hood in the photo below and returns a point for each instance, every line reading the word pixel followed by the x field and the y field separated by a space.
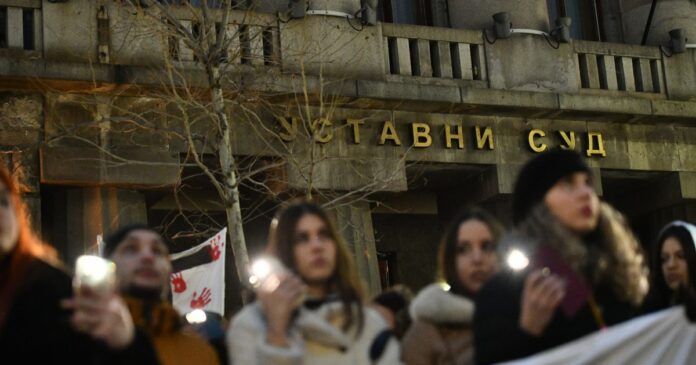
pixel 436 305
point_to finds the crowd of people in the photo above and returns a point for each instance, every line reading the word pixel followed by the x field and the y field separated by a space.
pixel 582 270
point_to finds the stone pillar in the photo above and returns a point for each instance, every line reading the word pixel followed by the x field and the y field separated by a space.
pixel 355 225
pixel 99 211
pixel 477 14
pixel 274 6
pixel 669 14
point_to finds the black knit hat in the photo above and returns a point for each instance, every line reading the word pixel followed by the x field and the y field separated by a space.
pixel 538 175
pixel 115 239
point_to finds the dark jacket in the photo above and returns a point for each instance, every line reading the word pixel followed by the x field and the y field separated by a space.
pixel 498 336
pixel 606 263
pixel 37 329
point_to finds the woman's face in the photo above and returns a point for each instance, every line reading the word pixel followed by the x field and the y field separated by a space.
pixel 476 259
pixel 314 250
pixel 574 202
pixel 8 222
pixel 674 266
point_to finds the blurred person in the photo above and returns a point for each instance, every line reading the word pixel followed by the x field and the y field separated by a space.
pixel 393 304
pixel 585 268
pixel 673 269
pixel 331 325
pixel 36 325
pixel 442 329
pixel 143 270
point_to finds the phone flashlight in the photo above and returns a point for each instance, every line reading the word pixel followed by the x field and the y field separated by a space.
pixel 265 272
pixel 196 316
pixel 96 273
pixel 517 260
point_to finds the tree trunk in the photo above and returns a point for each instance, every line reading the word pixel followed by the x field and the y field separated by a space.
pixel 233 210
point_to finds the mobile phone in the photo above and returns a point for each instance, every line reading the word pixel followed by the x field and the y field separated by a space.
pixel 577 291
pixel 96 273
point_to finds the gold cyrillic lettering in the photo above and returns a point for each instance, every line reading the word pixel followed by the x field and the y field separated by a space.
pixel 289 132
pixel 569 140
pixel 459 136
pixel 530 138
pixel 591 149
pixel 486 138
pixel 321 126
pixel 356 123
pixel 389 133
pixel 421 135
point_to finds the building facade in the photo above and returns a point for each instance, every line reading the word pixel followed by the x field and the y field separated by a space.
pixel 432 107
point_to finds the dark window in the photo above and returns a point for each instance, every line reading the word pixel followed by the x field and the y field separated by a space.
pixel 28 28
pixel 3 27
pixel 586 15
pixel 406 12
pixel 387 269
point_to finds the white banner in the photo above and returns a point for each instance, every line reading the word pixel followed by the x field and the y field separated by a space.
pixel 201 286
pixel 665 337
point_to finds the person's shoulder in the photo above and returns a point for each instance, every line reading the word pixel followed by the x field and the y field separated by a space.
pixel 373 319
pixel 250 316
pixel 48 278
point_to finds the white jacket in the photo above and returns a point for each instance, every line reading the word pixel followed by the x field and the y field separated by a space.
pixel 313 339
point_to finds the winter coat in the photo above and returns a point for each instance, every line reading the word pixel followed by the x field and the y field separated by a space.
pixel 441 333
pixel 498 336
pixel 37 330
pixel 163 326
pixel 315 337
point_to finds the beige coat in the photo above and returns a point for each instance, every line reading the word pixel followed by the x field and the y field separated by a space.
pixel 441 332
pixel 315 339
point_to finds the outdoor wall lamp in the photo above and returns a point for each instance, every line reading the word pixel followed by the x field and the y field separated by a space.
pixel 297 8
pixel 503 29
pixel 503 26
pixel 677 41
pixel 562 30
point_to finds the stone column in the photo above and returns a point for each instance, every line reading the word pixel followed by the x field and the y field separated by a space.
pixel 355 225
pixel 274 6
pixel 99 211
pixel 477 14
pixel 669 14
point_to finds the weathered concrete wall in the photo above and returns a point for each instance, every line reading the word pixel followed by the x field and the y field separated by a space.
pixel 21 122
pixel 136 38
pixel 329 46
pixel 680 75
pixel 415 239
pixel 527 62
pixel 477 14
pixel 70 31
pixel 355 224
pixel 669 14
pixel 98 211
pixel 274 6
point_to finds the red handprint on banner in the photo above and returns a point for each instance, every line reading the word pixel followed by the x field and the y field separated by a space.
pixel 200 302
pixel 214 249
pixel 178 282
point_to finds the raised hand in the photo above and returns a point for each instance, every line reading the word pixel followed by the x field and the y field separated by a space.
pixel 201 301
pixel 541 296
pixel 103 316
pixel 278 302
pixel 178 282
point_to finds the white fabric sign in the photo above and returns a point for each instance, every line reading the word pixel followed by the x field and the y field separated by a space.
pixel 202 286
pixel 665 337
